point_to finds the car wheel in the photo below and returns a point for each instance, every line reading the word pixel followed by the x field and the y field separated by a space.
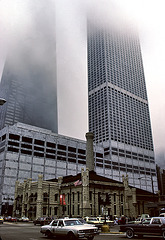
pixel 48 234
pixel 90 238
pixel 71 236
pixel 163 234
pixel 129 233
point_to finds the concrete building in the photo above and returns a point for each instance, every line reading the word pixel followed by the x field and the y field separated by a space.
pixel 118 104
pixel 27 151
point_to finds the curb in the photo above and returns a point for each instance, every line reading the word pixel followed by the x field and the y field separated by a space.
pixel 109 233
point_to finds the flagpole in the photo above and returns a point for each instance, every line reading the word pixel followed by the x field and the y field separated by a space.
pixel 48 199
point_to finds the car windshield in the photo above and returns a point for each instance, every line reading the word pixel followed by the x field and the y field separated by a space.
pixel 103 218
pixel 82 220
pixel 72 222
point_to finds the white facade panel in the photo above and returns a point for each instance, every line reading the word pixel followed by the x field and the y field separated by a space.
pixel 38 168
pixel 24 166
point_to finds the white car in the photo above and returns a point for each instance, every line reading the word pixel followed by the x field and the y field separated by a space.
pixel 70 228
pixel 82 220
pixel 24 219
pixel 93 220
pixel 102 220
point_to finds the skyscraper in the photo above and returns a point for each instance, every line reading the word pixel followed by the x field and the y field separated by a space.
pixel 118 105
pixel 30 92
pixel 29 78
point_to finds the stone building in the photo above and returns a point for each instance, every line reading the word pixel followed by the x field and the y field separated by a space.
pixel 82 195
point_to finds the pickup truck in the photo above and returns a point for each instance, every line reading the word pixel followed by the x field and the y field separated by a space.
pixel 156 227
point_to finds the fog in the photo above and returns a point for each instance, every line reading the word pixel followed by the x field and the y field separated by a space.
pixel 55 29
pixel 31 61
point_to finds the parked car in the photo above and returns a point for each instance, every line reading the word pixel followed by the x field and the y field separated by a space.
pixel 82 220
pixel 93 220
pixel 42 221
pixel 39 221
pixel 12 219
pixel 7 218
pixel 1 219
pixel 102 220
pixel 70 228
pixel 156 227
pixel 24 219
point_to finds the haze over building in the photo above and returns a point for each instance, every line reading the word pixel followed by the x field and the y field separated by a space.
pixel 29 82
pixel 118 105
pixel 118 115
pixel 31 93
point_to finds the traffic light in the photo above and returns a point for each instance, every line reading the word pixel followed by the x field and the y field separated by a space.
pixel 108 199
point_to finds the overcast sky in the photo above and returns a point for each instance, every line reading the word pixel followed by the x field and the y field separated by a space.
pixel 16 19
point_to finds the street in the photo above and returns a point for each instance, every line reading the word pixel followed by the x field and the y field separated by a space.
pixel 27 231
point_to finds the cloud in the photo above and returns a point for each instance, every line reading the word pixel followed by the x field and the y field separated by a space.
pixel 56 30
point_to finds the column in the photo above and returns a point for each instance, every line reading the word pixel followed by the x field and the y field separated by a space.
pixel 39 197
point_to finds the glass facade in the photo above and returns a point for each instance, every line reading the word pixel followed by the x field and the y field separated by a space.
pixel 118 105
pixel 29 93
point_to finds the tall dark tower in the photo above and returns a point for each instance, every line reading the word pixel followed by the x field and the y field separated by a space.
pixel 118 105
pixel 29 78
pixel 31 95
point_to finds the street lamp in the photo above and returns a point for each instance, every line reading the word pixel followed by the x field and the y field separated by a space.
pixel 151 178
pixel 2 101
